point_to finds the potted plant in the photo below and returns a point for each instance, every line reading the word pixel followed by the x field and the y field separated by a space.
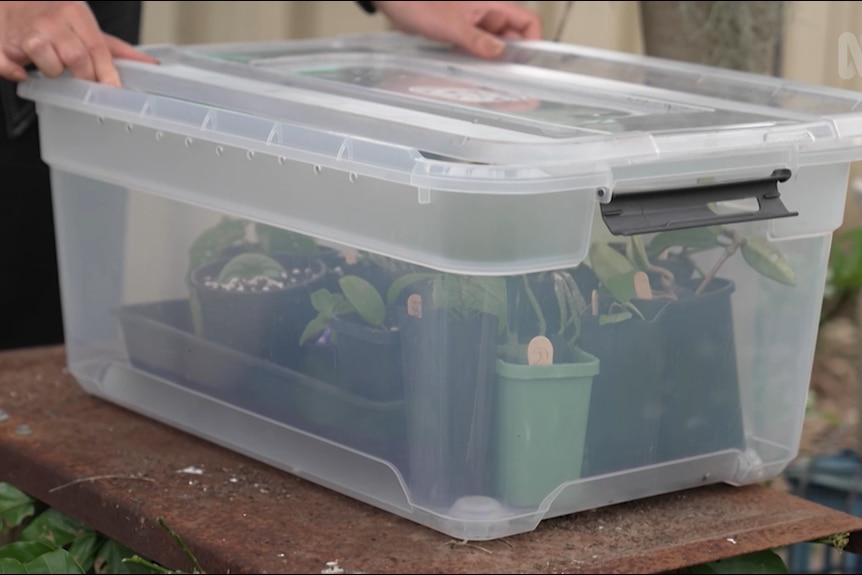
pixel 663 329
pixel 257 300
pixel 542 396
pixel 380 271
pixel 355 330
pixel 449 326
pixel 353 354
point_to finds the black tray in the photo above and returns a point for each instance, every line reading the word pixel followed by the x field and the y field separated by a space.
pixel 159 340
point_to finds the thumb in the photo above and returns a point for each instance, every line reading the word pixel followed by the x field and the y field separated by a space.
pixel 124 51
pixel 479 43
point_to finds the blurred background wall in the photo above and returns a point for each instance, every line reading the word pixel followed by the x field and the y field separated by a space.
pixel 809 46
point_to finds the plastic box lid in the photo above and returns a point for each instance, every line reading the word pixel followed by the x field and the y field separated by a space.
pixel 560 109
pixel 544 118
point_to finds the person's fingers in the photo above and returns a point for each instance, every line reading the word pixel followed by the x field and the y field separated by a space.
pixel 511 35
pixel 477 41
pixel 75 55
pixel 523 21
pixel 494 21
pixel 38 49
pixel 125 51
pixel 84 24
pixel 11 70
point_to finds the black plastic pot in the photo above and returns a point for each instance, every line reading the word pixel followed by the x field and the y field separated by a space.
pixel 449 376
pixel 368 360
pixel 626 403
pixel 668 387
pixel 266 325
pixel 702 409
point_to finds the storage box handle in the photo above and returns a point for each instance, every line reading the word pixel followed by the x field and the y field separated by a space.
pixel 663 210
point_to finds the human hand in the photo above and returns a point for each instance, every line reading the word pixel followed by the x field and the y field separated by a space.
pixel 55 36
pixel 477 27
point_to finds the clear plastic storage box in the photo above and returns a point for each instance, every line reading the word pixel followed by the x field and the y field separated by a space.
pixel 474 293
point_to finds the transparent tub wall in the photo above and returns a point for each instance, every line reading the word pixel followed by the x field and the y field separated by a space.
pixel 456 434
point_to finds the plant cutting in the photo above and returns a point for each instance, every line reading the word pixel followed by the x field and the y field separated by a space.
pixel 543 390
pixel 663 327
pixel 449 326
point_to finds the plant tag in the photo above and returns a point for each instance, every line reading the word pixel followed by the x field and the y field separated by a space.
pixel 540 351
pixel 594 302
pixel 350 258
pixel 414 305
pixel 642 287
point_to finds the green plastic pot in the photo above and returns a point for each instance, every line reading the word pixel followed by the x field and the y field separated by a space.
pixel 541 416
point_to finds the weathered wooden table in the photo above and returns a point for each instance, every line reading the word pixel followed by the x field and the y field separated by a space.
pixel 119 472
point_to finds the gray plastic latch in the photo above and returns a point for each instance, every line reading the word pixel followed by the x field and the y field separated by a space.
pixel 663 210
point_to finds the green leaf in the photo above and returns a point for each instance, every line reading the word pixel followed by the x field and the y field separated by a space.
pixel 845 260
pixel 610 318
pixel 212 242
pixel 575 294
pixel 404 282
pixel 15 507
pixel 35 557
pixel 758 562
pixel 112 558
pixel 622 287
pixel 636 253
pixel 278 240
pixel 692 239
pixel 446 292
pixel 52 527
pixel 768 260
pixel 488 295
pixel 251 265
pixel 608 263
pixel 313 329
pixel 560 289
pixel 84 548
pixel 364 298
pixel 342 306
pixel 323 301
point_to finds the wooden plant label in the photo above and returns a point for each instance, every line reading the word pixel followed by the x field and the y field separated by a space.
pixel 540 351
pixel 414 305
pixel 594 303
pixel 350 258
pixel 642 287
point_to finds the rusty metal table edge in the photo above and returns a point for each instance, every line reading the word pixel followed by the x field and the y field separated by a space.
pixel 104 505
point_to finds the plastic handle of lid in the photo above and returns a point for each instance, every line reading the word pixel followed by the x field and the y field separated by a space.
pixel 664 210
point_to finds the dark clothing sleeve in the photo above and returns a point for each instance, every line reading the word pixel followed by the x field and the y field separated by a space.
pixel 367 6
pixel 30 290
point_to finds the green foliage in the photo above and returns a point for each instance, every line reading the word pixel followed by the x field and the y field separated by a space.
pixel 844 272
pixel 464 296
pixel 616 268
pixel 250 265
pixel 357 296
pixel 768 260
pixel 759 562
pixel 845 261
pixel 36 557
pixel 52 542
pixel 276 240
pixel 212 243
pixel 15 507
